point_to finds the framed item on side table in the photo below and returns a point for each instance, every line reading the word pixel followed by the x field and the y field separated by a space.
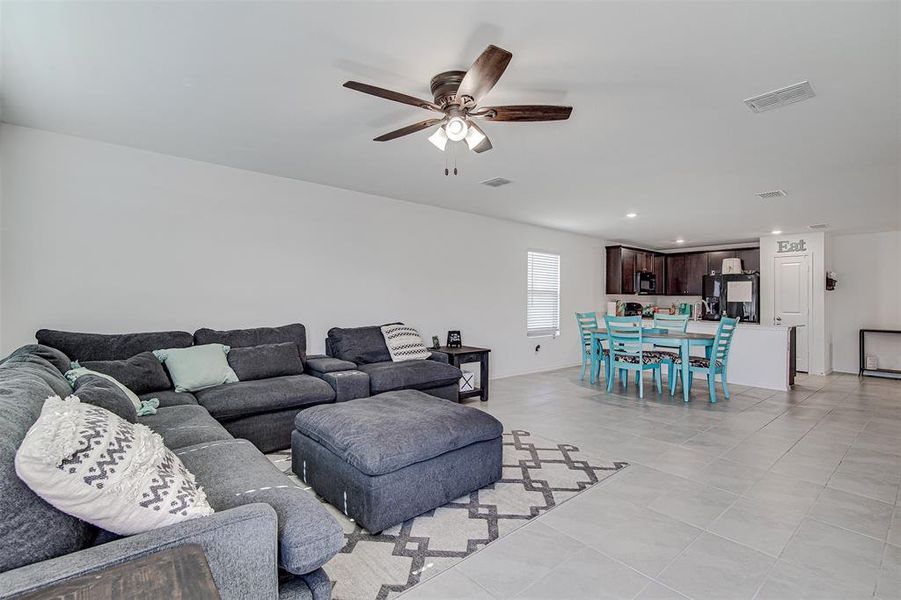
pixel 454 339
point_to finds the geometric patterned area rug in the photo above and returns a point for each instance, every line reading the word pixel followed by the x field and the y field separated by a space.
pixel 538 475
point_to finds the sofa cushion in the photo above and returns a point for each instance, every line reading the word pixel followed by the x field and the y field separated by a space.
pixel 37 364
pixel 118 346
pixel 31 529
pixel 187 425
pixel 99 391
pixel 197 367
pixel 404 343
pixel 245 398
pixel 171 398
pixel 360 345
pixel 240 338
pixel 265 361
pixel 55 357
pixel 234 473
pixel 118 475
pixel 409 374
pixel 384 433
pixel 142 373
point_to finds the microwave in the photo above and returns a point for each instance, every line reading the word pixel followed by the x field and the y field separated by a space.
pixel 645 283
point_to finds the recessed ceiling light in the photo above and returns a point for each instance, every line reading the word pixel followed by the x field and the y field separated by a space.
pixel 680 241
pixel 631 215
pixel 776 231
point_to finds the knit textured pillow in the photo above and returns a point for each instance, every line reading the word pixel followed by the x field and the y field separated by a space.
pixel 91 464
pixel 404 343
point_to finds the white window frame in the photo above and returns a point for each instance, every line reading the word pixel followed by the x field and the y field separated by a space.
pixel 551 288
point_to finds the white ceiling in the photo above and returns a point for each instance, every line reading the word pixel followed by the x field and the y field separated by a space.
pixel 659 127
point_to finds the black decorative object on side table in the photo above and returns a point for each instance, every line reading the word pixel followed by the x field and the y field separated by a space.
pixel 470 354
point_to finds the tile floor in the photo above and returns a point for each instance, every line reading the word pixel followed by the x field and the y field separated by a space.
pixel 770 495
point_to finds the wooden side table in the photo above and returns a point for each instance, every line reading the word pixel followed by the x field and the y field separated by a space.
pixel 181 572
pixel 470 354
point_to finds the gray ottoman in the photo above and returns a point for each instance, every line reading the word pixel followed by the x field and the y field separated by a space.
pixel 388 458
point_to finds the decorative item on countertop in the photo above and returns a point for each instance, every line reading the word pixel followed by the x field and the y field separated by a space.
pixel 612 307
pixel 831 280
pixel 454 339
pixel 620 308
pixel 435 343
pixel 648 311
pixel 468 381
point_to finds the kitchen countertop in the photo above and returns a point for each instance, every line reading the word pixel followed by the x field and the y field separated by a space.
pixel 712 325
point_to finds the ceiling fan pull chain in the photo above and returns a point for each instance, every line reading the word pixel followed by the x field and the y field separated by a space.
pixel 455 159
pixel 446 172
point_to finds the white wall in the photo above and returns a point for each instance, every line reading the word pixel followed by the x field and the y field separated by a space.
pixel 815 244
pixel 98 237
pixel 868 295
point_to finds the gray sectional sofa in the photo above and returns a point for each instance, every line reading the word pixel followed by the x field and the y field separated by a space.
pixel 269 543
pixel 365 348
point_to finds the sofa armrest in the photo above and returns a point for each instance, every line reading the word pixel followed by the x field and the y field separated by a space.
pixel 440 357
pixel 327 364
pixel 348 385
pixel 239 544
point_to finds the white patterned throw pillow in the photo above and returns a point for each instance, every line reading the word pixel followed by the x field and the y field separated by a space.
pixel 89 463
pixel 404 343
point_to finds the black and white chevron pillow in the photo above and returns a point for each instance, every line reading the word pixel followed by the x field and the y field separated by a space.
pixel 87 462
pixel 404 343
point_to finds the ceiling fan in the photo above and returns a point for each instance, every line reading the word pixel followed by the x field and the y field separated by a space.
pixel 457 94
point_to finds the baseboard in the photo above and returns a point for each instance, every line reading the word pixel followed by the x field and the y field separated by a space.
pixel 534 371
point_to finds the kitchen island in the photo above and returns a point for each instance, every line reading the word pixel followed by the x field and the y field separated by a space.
pixel 760 355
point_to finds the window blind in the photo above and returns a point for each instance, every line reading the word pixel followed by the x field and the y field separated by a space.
pixel 543 294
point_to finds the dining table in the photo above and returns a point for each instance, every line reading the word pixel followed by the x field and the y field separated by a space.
pixel 660 336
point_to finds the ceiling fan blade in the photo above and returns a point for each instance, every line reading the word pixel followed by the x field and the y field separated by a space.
pixel 485 144
pixel 526 112
pixel 391 95
pixel 407 130
pixel 483 73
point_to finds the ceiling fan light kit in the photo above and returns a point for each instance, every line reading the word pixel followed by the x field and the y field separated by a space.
pixel 456 95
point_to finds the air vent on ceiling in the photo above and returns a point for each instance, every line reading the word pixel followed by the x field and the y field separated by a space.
pixel 819 226
pixel 496 182
pixel 771 194
pixel 782 97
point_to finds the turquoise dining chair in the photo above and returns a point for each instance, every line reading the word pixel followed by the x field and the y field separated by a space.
pixel 715 363
pixel 627 353
pixel 677 323
pixel 588 321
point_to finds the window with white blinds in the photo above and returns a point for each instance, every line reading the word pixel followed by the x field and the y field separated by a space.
pixel 543 294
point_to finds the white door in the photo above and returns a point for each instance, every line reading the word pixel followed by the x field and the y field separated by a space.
pixel 792 306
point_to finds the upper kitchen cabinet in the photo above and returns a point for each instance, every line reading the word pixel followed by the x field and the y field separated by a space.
pixel 685 273
pixel 750 259
pixel 622 265
pixel 715 260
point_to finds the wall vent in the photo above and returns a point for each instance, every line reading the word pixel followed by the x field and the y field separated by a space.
pixel 782 97
pixel 819 226
pixel 771 194
pixel 496 182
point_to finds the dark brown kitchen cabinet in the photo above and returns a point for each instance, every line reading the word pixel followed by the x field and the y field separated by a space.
pixel 685 273
pixel 676 275
pixel 660 273
pixel 715 260
pixel 750 259
pixel 696 265
pixel 623 263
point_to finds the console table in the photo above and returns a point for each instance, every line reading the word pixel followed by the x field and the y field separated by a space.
pixel 181 572
pixel 470 354
pixel 863 361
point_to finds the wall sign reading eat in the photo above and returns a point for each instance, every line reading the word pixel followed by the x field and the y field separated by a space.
pixel 799 246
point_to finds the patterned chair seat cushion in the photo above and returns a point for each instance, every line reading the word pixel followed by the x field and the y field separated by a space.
pixel 605 351
pixel 699 361
pixel 649 357
pixel 668 354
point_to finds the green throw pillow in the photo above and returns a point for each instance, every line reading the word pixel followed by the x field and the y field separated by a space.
pixel 78 371
pixel 197 367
